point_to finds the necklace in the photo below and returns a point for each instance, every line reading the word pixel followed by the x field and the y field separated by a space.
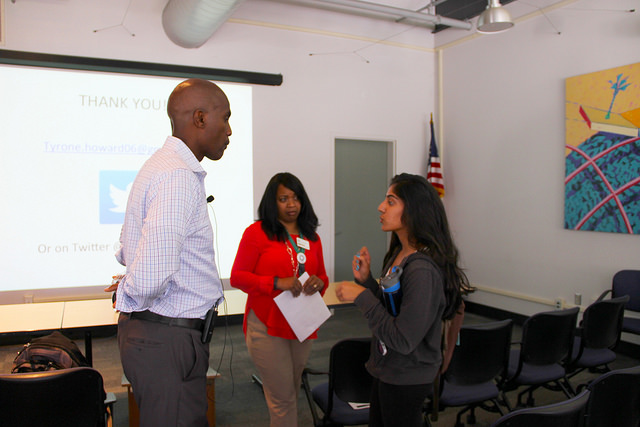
pixel 293 263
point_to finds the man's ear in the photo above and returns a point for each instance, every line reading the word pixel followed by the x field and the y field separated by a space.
pixel 199 119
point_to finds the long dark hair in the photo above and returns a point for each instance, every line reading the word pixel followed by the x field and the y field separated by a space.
pixel 428 229
pixel 268 208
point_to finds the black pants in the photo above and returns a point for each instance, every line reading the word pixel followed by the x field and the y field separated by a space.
pixel 397 405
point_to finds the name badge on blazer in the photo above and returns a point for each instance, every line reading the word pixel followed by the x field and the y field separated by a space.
pixel 302 243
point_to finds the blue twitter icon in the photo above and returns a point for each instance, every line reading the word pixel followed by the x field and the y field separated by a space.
pixel 114 193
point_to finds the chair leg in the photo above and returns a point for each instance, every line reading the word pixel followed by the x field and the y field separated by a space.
pixel 471 418
pixel 496 402
pixel 530 400
pixel 519 401
pixel 425 419
pixel 506 401
pixel 567 389
pixel 307 391
pixel 459 422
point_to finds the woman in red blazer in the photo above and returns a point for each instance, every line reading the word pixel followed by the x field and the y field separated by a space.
pixel 273 253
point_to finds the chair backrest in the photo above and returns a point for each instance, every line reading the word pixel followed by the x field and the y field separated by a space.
pixel 602 323
pixel 348 377
pixel 481 353
pixel 627 282
pixel 569 413
pixel 547 337
pixel 615 399
pixel 69 397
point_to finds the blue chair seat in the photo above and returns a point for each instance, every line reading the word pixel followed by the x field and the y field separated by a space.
pixel 534 374
pixel 591 356
pixel 341 411
pixel 454 395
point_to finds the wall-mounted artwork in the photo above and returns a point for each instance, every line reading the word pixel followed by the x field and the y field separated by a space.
pixel 602 177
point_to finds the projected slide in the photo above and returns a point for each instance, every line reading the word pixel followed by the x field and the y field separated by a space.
pixel 72 143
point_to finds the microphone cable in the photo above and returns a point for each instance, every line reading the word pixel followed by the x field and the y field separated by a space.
pixel 226 334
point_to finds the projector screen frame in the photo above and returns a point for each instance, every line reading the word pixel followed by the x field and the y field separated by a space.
pixel 32 59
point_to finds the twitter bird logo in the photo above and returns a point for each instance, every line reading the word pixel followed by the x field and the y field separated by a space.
pixel 119 197
pixel 114 193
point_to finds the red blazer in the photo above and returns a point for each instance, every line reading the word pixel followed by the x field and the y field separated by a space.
pixel 257 262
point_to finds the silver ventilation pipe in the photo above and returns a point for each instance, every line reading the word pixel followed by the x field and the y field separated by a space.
pixel 190 23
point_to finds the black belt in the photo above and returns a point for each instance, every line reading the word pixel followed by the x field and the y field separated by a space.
pixel 171 321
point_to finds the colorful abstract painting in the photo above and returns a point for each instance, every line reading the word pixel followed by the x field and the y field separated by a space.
pixel 602 178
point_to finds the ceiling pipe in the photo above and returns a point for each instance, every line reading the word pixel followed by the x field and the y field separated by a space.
pixel 400 13
pixel 190 23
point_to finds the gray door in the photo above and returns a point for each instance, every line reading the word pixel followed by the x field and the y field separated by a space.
pixel 362 173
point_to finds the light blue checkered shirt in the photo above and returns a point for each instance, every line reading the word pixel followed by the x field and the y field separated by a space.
pixel 166 241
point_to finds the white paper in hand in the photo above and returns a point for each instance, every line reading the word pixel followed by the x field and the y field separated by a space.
pixel 304 313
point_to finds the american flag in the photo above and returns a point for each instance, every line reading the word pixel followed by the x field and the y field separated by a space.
pixel 434 169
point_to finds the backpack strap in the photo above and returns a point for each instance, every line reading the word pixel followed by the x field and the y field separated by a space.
pixel 450 334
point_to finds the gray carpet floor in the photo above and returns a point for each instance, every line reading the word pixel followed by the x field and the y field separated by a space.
pixel 239 400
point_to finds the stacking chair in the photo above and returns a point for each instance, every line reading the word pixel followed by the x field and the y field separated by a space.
pixel 627 282
pixel 615 399
pixel 348 382
pixel 569 413
pixel 66 397
pixel 545 351
pixel 481 355
pixel 598 335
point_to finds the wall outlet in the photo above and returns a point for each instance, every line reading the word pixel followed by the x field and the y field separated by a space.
pixel 559 303
pixel 577 299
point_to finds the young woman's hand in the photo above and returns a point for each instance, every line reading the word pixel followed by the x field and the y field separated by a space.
pixel 361 265
pixel 348 291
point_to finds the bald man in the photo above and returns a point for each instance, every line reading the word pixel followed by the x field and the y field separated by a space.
pixel 171 279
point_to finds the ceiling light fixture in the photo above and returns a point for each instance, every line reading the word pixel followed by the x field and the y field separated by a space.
pixel 494 19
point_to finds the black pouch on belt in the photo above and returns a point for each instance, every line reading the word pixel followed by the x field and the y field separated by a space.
pixel 209 320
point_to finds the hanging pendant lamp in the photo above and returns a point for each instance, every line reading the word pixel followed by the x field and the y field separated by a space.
pixel 494 19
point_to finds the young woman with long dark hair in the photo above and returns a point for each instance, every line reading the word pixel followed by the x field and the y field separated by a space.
pixel 406 352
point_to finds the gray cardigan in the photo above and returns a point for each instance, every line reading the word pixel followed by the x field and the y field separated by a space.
pixel 413 338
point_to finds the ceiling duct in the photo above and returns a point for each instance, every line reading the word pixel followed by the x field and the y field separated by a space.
pixel 190 23
pixel 400 13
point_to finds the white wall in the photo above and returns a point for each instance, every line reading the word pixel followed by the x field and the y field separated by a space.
pixel 504 155
pixel 332 94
